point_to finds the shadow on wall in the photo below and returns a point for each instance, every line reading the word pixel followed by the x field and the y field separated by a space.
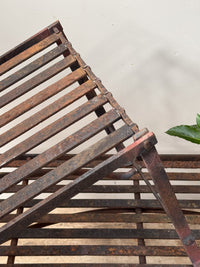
pixel 167 89
pixel 158 87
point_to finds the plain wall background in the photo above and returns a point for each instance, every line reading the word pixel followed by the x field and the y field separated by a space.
pixel 147 53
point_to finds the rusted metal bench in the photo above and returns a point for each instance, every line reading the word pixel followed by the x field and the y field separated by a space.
pixel 55 105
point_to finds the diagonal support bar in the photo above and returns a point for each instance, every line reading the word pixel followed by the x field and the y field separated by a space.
pixel 170 204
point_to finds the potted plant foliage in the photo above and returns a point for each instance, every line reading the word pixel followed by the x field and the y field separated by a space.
pixel 187 132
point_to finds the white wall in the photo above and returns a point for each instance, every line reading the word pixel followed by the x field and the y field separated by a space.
pixel 147 53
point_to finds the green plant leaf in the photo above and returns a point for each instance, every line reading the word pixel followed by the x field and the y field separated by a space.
pixel 198 120
pixel 187 132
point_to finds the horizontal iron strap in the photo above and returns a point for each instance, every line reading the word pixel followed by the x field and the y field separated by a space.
pixel 104 216
pixel 184 164
pixel 103 233
pixel 79 184
pixel 26 54
pixel 36 80
pixel 52 129
pixel 41 172
pixel 112 176
pixel 41 96
pixel 181 157
pixel 179 161
pixel 185 161
pixel 33 66
pixel 118 203
pixel 137 189
pixel 119 189
pixel 179 164
pixel 181 175
pixel 46 112
pixel 109 217
pixel 57 150
pixel 93 250
pixel 37 187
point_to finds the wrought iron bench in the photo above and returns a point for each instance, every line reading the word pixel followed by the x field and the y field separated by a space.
pixel 52 106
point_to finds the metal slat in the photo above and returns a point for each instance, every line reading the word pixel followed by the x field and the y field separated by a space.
pixel 8 65
pixel 33 66
pixel 36 80
pixel 41 96
pixel 181 176
pixel 94 250
pixel 181 161
pixel 95 233
pixel 138 189
pixel 114 176
pixel 119 203
pixel 189 189
pixel 106 217
pixel 181 165
pixel 46 112
pixel 117 189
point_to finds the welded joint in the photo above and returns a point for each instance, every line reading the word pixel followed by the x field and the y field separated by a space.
pixel 140 134
pixel 71 49
pixel 56 30
pixel 149 143
pixel 96 81
pixel 65 44
pixel 108 95
pixel 129 174
pixel 85 66
pixel 121 111
pixel 188 240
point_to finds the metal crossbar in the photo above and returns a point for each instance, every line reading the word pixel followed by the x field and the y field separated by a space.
pixel 52 103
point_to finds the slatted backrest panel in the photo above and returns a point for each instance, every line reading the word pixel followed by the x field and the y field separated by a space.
pixel 115 222
pixel 51 103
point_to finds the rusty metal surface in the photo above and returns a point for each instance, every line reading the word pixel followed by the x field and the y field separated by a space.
pixel 115 265
pixel 46 89
pixel 112 217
